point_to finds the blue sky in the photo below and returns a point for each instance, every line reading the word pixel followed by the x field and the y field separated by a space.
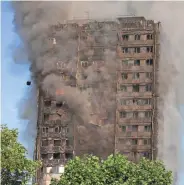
pixel 14 76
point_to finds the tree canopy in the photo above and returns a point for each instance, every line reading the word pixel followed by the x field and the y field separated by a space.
pixel 16 168
pixel 115 170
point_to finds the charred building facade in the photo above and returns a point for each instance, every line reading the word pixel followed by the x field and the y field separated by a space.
pixel 116 65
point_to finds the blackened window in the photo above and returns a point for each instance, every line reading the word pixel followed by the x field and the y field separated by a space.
pixel 123 114
pixel 147 128
pixel 136 62
pixel 125 50
pixel 137 50
pixel 57 142
pixel 59 104
pixel 46 117
pixel 136 75
pixel 135 88
pixel 137 37
pixel 47 103
pixel 148 87
pixel 56 155
pixel 149 49
pixel 125 37
pixel 45 129
pixel 45 142
pixel 44 156
pixel 149 37
pixel 124 76
pixel 149 62
pixel 68 156
pixel 134 141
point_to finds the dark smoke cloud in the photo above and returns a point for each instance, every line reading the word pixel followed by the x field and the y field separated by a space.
pixel 33 21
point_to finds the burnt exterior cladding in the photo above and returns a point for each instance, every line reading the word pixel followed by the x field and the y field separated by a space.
pixel 135 133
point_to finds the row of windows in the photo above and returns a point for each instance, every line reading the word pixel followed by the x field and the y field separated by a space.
pixel 137 37
pixel 55 130
pixel 56 156
pixel 148 49
pixel 145 154
pixel 146 101
pixel 135 75
pixel 136 88
pixel 56 142
pixel 47 103
pixel 135 141
pixel 148 62
pixel 134 128
pixel 140 114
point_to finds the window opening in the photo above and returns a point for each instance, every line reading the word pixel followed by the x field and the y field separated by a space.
pixel 135 88
pixel 149 75
pixel 134 128
pixel 148 87
pixel 125 37
pixel 147 141
pixel 136 62
pixel 45 142
pixel 125 50
pixel 124 62
pixel 137 50
pixel 149 37
pixel 44 156
pixel 149 49
pixel 123 88
pixel 136 75
pixel 147 128
pixel 123 128
pixel 56 155
pixel 149 62
pixel 58 105
pixel 47 103
pixel 123 102
pixel 46 117
pixel 137 37
pixel 123 114
pixel 45 129
pixel 69 156
pixel 57 142
pixel 124 76
pixel 135 114
pixel 134 141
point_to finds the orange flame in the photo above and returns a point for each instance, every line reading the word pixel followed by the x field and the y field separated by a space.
pixel 59 92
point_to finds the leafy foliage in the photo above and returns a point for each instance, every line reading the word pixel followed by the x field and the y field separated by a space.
pixel 116 170
pixel 15 167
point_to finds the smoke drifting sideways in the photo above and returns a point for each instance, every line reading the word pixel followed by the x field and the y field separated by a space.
pixel 32 20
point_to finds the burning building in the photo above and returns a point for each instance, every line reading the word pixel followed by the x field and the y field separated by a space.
pixel 102 96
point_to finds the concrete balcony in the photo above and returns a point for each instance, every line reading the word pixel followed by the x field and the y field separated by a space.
pixel 53 135
pixel 133 134
pixel 55 149
pixel 134 55
pixel 52 162
pixel 134 81
pixel 132 68
pixel 134 120
pixel 121 94
pixel 133 147
pixel 133 123
pixel 133 107
pixel 136 43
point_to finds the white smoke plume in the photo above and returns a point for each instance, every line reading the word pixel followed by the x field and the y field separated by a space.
pixel 34 18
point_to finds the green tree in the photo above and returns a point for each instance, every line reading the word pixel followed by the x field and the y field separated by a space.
pixel 115 170
pixel 15 167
